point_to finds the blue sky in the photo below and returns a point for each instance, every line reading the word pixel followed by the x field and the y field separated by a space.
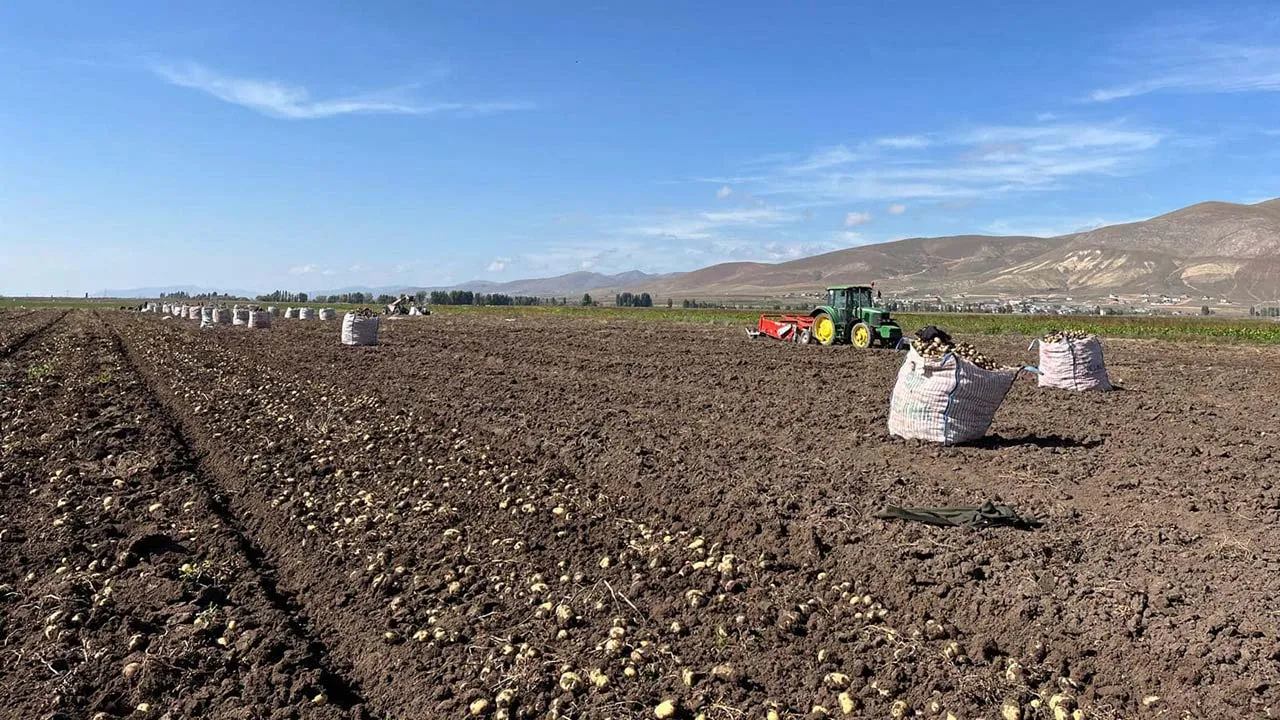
pixel 324 145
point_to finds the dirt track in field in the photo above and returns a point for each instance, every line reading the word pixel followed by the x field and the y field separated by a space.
pixel 544 517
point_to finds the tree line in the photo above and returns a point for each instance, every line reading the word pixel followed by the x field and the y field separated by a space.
pixel 627 299
pixel 184 295
pixel 463 297
pixel 283 296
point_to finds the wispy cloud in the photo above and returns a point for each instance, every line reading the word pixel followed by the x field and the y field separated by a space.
pixel 707 225
pixel 854 219
pixel 304 269
pixel 724 192
pixel 499 264
pixel 905 142
pixel 293 102
pixel 1201 56
pixel 1049 227
pixel 824 158
pixel 960 163
pixel 896 209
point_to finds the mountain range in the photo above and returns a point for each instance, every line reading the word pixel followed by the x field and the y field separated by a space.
pixel 1213 248
pixel 1220 249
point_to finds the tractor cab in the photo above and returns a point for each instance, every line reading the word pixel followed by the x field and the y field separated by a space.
pixel 850 297
pixel 850 316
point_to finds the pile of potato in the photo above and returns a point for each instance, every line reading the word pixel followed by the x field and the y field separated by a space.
pixel 364 313
pixel 1060 335
pixel 936 349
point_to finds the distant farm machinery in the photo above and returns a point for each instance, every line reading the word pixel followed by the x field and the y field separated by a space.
pixel 850 316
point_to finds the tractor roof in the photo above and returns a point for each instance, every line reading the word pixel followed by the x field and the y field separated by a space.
pixel 849 287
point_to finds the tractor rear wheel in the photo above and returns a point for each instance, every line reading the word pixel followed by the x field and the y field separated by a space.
pixel 861 336
pixel 824 329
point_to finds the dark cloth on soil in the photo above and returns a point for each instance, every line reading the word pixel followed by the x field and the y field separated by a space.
pixel 929 332
pixel 987 515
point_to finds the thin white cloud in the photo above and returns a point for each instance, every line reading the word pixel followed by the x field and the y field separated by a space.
pixel 896 209
pixel 854 219
pixel 499 264
pixel 724 192
pixel 1235 55
pixel 825 158
pixel 965 163
pixel 293 102
pixel 708 225
pixel 1049 227
pixel 905 142
pixel 1045 117
pixel 749 216
pixel 304 269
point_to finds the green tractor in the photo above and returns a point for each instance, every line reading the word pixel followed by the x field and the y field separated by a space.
pixel 850 316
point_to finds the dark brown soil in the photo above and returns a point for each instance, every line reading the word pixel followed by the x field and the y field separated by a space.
pixel 123 585
pixel 483 515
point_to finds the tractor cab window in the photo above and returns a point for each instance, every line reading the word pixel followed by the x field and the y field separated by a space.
pixel 862 297
pixel 836 299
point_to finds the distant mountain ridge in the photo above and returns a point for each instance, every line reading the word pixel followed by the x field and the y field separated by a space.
pixel 1214 248
pixel 1219 249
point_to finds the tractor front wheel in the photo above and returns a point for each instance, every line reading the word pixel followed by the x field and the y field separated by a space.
pixel 824 329
pixel 861 336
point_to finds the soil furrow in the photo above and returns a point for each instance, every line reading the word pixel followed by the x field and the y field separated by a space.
pixel 124 594
pixel 338 688
pixel 23 338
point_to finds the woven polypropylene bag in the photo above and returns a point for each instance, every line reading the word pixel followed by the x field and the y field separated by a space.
pixel 258 319
pixel 948 401
pixel 1073 365
pixel 328 313
pixel 358 330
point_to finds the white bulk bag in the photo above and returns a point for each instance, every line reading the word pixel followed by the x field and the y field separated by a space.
pixel 258 319
pixel 239 316
pixel 328 314
pixel 291 313
pixel 306 313
pixel 358 330
pixel 166 309
pixel 1073 365
pixel 221 316
pixel 273 311
pixel 206 316
pixel 193 312
pixel 949 400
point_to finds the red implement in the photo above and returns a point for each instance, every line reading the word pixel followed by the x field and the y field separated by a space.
pixel 783 327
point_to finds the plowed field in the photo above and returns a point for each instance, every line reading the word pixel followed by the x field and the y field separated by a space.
pixel 544 517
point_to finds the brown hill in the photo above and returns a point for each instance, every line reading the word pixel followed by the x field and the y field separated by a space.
pixel 1212 248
